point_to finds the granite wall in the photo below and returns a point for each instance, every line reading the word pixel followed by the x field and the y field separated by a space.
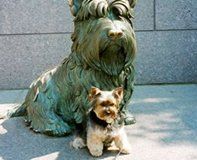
pixel 35 36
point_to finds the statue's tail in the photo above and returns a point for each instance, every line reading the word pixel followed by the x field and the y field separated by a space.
pixel 15 112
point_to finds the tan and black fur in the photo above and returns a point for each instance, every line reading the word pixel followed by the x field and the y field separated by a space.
pixel 103 127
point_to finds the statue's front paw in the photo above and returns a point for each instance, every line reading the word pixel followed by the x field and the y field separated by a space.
pixel 59 129
pixel 130 120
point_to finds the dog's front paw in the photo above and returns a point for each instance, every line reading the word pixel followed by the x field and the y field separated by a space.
pixel 122 143
pixel 126 150
pixel 95 147
pixel 96 152
pixel 78 143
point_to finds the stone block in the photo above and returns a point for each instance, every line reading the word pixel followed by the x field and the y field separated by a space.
pixel 166 57
pixel 23 58
pixel 144 15
pixel 163 57
pixel 35 16
pixel 52 16
pixel 176 14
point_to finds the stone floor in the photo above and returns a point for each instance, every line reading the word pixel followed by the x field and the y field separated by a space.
pixel 166 128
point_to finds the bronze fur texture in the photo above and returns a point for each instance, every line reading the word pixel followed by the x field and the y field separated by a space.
pixel 102 55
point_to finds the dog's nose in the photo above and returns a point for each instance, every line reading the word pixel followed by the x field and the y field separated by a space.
pixel 115 34
pixel 107 110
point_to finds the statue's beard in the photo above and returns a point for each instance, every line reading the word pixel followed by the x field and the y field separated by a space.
pixel 106 55
pixel 116 55
pixel 112 59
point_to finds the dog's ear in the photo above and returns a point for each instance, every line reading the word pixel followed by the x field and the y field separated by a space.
pixel 123 7
pixel 118 93
pixel 97 8
pixel 93 93
pixel 132 3
pixel 74 6
pixel 126 3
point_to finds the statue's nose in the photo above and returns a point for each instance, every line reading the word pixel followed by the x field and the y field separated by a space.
pixel 115 34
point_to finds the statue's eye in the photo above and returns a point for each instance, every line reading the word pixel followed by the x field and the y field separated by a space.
pixel 123 17
pixel 115 11
pixel 120 12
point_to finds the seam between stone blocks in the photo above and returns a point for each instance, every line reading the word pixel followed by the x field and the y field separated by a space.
pixel 53 33
pixel 23 34
pixel 154 15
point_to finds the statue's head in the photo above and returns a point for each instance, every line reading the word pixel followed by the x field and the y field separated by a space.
pixel 103 36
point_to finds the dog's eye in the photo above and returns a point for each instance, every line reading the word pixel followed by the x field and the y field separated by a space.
pixel 115 11
pixel 119 14
pixel 112 104
pixel 103 104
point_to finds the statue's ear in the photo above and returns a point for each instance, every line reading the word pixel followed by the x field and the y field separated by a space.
pixel 74 6
pixel 132 3
pixel 97 8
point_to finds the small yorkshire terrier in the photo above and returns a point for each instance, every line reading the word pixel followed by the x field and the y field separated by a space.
pixel 103 124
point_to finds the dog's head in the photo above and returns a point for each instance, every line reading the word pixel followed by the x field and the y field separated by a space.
pixel 105 104
pixel 103 37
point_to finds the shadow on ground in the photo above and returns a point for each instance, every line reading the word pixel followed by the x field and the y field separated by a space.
pixel 169 112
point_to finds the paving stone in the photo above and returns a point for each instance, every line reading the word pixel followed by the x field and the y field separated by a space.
pixel 11 98
pixel 166 127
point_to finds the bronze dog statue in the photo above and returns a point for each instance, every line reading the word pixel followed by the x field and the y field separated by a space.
pixel 103 51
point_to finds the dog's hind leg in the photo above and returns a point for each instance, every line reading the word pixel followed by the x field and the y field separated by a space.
pixel 79 138
pixel 45 121
pixel 42 116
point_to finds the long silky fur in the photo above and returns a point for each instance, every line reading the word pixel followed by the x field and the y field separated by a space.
pixel 58 99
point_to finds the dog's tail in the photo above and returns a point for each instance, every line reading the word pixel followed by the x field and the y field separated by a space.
pixel 15 112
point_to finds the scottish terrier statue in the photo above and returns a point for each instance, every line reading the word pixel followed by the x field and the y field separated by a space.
pixel 102 55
